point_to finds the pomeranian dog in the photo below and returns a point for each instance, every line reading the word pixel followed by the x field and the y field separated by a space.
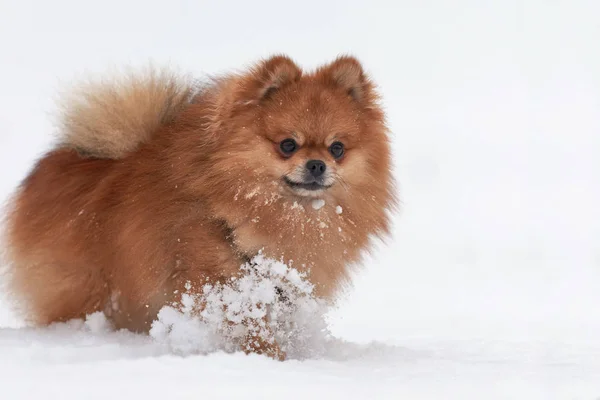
pixel 158 182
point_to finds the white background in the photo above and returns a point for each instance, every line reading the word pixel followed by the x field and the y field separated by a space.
pixel 490 285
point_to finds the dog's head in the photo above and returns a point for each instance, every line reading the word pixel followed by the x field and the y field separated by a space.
pixel 306 136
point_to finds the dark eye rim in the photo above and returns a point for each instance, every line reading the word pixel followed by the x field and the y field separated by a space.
pixel 291 145
pixel 337 145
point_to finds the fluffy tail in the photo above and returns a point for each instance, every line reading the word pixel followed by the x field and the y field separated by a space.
pixel 109 119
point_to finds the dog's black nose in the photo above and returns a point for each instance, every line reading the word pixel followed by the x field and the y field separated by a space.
pixel 316 167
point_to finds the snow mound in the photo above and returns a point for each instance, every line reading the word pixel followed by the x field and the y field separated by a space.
pixel 268 300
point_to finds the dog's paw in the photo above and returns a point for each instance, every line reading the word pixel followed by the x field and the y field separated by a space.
pixel 258 345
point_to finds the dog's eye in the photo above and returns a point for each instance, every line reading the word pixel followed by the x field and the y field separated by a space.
pixel 288 146
pixel 336 149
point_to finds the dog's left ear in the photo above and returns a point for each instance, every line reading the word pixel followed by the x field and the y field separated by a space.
pixel 269 76
pixel 347 73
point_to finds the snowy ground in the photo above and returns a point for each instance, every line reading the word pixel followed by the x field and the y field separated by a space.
pixel 69 363
pixel 490 286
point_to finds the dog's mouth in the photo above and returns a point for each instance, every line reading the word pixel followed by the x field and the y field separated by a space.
pixel 310 186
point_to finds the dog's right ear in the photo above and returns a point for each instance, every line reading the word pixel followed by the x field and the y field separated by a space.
pixel 269 76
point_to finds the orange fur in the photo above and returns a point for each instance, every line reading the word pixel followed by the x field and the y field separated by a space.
pixel 111 119
pixel 172 189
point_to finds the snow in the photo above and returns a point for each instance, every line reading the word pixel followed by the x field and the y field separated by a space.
pixel 490 285
pixel 73 362
pixel 268 301
pixel 317 204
